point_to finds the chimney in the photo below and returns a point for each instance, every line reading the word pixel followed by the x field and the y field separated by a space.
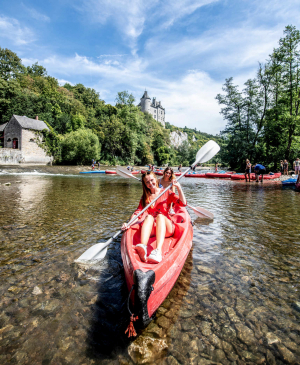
pixel 36 117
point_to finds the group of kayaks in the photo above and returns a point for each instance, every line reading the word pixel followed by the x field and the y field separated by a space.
pixel 220 175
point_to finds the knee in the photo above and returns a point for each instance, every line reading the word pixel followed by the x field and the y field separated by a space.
pixel 160 216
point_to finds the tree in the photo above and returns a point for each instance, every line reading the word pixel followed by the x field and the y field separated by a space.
pixel 10 64
pixel 80 147
pixel 36 70
pixel 124 98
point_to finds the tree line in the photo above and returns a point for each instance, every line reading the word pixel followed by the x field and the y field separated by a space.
pixel 263 121
pixel 82 126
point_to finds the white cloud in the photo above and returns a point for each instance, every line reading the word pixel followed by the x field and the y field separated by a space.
pixel 131 18
pixel 189 100
pixel 12 30
pixel 62 82
pixel 36 14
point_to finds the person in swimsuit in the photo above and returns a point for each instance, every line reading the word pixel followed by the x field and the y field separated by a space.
pixel 248 169
pixel 285 167
pixel 216 167
pixel 179 168
pixel 158 221
pixel 165 181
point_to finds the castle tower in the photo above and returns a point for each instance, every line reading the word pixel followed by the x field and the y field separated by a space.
pixel 154 108
pixel 145 102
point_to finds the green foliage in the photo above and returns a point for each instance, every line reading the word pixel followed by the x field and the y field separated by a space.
pixel 80 122
pixel 80 147
pixel 263 121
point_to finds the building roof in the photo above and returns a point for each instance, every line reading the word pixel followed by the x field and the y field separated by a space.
pixel 145 96
pixel 28 123
pixel 2 126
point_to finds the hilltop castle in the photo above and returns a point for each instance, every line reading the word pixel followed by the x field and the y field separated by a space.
pixel 154 108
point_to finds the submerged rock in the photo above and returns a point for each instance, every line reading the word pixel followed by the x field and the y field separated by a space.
pixel 37 291
pixel 146 349
pixel 272 338
pixel 286 354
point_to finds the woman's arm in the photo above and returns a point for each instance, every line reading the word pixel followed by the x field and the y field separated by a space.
pixel 180 192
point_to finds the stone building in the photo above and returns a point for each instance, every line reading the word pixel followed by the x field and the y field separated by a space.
pixel 154 108
pixel 21 141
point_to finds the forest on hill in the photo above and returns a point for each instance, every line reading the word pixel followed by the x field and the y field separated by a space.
pixel 263 121
pixel 82 126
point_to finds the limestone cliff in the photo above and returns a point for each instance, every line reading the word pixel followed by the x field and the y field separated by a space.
pixel 177 138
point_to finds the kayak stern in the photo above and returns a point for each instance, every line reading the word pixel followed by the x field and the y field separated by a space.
pixel 143 284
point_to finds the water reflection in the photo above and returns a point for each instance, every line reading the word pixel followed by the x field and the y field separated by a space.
pixel 237 300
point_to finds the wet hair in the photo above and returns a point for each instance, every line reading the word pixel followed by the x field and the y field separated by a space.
pixel 172 177
pixel 146 190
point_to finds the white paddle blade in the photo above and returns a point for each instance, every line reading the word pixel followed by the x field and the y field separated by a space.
pixel 201 212
pixel 126 174
pixel 96 252
pixel 207 152
pixel 123 173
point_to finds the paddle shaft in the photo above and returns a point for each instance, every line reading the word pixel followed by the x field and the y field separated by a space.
pixel 144 210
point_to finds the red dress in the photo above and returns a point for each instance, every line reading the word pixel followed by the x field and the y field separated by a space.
pixel 162 205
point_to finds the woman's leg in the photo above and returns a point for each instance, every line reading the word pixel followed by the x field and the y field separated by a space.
pixel 163 229
pixel 146 229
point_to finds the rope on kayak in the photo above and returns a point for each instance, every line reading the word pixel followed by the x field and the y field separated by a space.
pixel 130 329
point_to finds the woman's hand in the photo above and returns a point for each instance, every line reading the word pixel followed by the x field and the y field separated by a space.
pixel 124 227
pixel 176 184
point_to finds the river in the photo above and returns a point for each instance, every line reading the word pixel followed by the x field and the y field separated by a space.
pixel 236 301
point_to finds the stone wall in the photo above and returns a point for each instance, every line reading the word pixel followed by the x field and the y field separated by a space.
pixel 12 130
pixel 10 156
pixel 31 151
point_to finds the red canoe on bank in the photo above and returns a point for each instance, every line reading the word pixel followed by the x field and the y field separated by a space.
pixel 252 176
pixel 153 282
pixel 224 175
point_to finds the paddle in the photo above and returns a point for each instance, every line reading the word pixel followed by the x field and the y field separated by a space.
pixel 200 212
pixel 98 251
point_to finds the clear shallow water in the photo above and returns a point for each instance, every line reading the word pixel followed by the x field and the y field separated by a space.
pixel 236 301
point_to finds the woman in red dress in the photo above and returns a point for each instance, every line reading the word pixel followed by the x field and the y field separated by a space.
pixel 158 221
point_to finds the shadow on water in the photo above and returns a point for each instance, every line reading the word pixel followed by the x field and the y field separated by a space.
pixel 109 317
pixel 106 335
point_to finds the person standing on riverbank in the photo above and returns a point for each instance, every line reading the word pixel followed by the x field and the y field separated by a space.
pixel 259 170
pixel 248 169
pixel 281 166
pixel 216 167
pixel 179 168
pixel 297 166
pixel 285 167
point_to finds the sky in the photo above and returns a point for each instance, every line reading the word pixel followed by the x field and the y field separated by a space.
pixel 180 51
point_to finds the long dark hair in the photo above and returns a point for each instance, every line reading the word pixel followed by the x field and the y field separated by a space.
pixel 146 190
pixel 172 177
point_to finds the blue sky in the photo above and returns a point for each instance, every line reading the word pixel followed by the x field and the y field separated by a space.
pixel 181 51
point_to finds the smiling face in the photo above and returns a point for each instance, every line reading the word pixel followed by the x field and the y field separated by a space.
pixel 150 182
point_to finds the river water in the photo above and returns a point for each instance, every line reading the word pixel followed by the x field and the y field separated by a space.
pixel 236 301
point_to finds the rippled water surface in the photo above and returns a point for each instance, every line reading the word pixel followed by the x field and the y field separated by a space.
pixel 235 302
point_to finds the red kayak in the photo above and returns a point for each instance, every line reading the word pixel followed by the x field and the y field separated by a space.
pixel 194 175
pixel 153 282
pixel 224 175
pixel 252 176
pixel 113 172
